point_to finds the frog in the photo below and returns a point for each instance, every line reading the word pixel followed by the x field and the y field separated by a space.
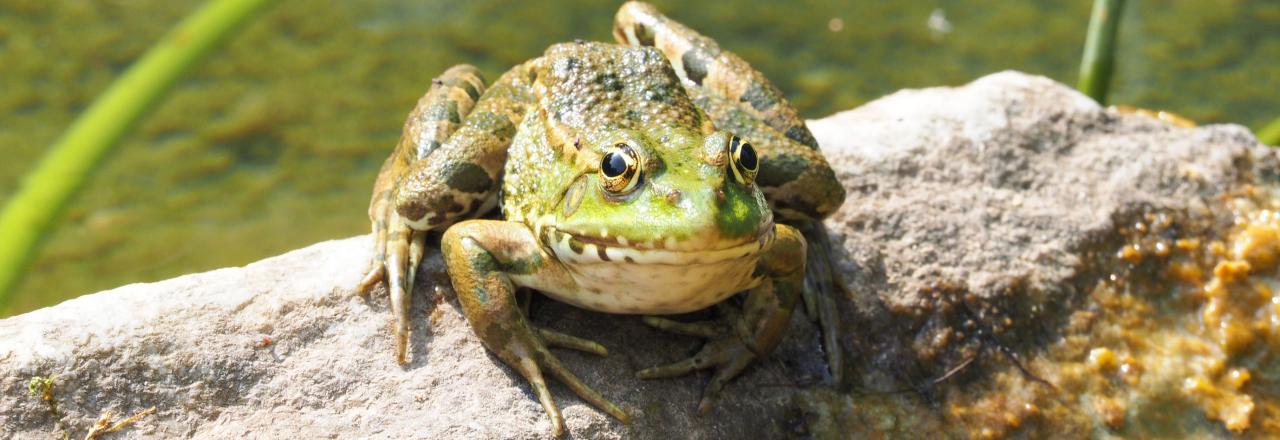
pixel 653 176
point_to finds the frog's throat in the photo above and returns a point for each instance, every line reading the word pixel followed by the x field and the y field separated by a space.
pixel 579 249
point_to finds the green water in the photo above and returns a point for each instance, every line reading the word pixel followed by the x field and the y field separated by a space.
pixel 273 144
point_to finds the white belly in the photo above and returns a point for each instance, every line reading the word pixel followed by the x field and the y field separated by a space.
pixel 618 287
pixel 649 281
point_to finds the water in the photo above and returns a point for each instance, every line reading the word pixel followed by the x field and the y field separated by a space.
pixel 273 143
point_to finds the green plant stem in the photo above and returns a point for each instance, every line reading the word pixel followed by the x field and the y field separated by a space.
pixel 1096 66
pixel 1270 133
pixel 43 194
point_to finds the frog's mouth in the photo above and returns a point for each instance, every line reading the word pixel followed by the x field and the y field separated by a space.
pixel 587 249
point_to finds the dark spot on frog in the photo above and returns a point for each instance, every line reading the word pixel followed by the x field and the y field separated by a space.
pixel 576 246
pixel 412 211
pixel 695 65
pixel 523 266
pixel 565 66
pixel 471 90
pixel 633 115
pixel 451 206
pixel 662 93
pixel 801 134
pixel 600 251
pixel 425 150
pixel 475 206
pixel 609 82
pixel 758 96
pixel 437 82
pixel 628 259
pixel 780 170
pixel 467 177
pixel 496 123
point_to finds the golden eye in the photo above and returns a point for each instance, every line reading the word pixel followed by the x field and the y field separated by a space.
pixel 745 162
pixel 620 169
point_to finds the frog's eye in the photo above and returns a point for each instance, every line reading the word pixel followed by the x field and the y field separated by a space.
pixel 620 169
pixel 745 162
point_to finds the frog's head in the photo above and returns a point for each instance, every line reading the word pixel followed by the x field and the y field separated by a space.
pixel 670 195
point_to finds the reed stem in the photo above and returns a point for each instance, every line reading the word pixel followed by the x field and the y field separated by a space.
pixel 1098 62
pixel 42 196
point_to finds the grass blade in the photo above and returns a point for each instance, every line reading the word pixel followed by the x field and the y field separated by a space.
pixel 1097 64
pixel 43 193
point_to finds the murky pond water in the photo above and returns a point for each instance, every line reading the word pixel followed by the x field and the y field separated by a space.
pixel 273 143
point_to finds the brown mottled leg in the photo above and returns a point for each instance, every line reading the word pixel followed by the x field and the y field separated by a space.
pixel 398 246
pixel 484 258
pixel 750 333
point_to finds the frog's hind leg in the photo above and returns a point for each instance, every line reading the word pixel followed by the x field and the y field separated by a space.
pixel 485 259
pixel 700 61
pixel 398 246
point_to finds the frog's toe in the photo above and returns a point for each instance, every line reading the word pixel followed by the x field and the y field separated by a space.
pixel 397 252
pixel 728 355
pixel 375 273
pixel 532 366
pixel 571 380
pixel 705 329
pixel 377 265
pixel 556 339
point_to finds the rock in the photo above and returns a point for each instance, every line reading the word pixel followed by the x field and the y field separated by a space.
pixel 976 210
pixel 990 203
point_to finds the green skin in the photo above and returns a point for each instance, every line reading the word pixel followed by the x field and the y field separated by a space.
pixel 689 224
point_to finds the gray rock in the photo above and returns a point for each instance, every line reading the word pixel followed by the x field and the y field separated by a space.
pixel 970 204
pixel 977 214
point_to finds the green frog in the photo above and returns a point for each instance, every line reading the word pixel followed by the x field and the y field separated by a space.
pixel 649 177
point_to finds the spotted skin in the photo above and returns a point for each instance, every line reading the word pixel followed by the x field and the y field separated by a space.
pixel 688 224
pixel 794 176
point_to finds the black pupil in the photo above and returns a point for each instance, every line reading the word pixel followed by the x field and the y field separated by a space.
pixel 613 165
pixel 747 157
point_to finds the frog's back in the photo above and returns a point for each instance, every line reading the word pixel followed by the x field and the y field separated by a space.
pixel 586 93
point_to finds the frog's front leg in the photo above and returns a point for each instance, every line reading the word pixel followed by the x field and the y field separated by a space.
pixel 487 260
pixel 747 334
pixel 398 243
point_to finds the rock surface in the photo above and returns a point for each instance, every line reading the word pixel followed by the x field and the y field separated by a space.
pixel 985 203
pixel 991 203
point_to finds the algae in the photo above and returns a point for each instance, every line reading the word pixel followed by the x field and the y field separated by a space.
pixel 1177 337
